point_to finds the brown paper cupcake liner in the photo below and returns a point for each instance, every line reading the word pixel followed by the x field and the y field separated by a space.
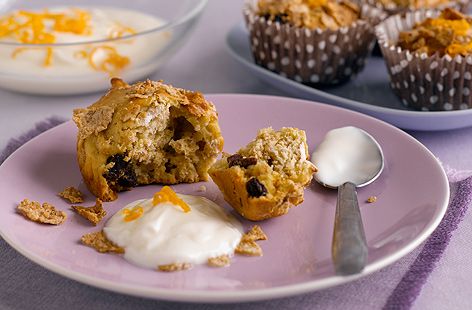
pixel 462 5
pixel 312 56
pixel 428 83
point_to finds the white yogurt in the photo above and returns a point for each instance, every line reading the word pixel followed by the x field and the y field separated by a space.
pixel 346 154
pixel 164 234
pixel 71 73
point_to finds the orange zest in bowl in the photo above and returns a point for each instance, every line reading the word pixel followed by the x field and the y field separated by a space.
pixel 43 27
pixel 166 194
pixel 132 214
pixel 112 63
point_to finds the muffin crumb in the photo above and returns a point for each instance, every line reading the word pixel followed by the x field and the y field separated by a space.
pixel 372 199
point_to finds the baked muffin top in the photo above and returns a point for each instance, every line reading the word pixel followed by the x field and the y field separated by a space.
pixel 450 33
pixel 312 14
pixel 415 4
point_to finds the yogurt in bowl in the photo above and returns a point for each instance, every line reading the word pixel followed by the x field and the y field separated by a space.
pixel 71 50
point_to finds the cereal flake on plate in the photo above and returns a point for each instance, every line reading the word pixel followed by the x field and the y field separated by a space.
pixel 99 242
pixel 45 213
pixel 93 214
pixel 219 261
pixel 174 267
pixel 72 194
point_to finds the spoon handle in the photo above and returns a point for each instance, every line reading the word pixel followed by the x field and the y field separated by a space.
pixel 349 247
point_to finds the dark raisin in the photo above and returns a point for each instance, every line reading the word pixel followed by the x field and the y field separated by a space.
pixel 181 126
pixel 169 166
pixel 201 145
pixel 121 176
pixel 255 188
pixel 234 160
pixel 248 161
pixel 270 161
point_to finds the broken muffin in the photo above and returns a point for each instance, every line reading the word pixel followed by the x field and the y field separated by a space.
pixel 268 176
pixel 144 133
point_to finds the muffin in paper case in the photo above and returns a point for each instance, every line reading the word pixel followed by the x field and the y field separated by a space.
pixel 322 57
pixel 427 83
pixel 392 8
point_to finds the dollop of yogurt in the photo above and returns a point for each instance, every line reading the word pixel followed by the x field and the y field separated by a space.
pixel 165 234
pixel 347 154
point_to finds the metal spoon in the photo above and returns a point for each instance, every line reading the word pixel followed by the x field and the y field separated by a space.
pixel 349 246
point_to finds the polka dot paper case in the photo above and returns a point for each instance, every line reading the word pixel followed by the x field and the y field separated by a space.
pixel 429 58
pixel 311 41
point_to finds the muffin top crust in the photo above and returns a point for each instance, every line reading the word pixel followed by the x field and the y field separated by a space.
pixel 312 14
pixel 415 4
pixel 448 34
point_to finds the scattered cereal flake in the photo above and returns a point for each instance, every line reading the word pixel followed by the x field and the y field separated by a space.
pixel 45 213
pixel 72 194
pixel 254 234
pixel 202 188
pixel 99 242
pixel 219 261
pixel 93 214
pixel 174 267
pixel 372 199
pixel 248 247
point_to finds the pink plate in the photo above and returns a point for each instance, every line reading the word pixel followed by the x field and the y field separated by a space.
pixel 412 193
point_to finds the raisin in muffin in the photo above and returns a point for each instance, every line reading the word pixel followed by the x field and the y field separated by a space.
pixel 145 133
pixel 268 176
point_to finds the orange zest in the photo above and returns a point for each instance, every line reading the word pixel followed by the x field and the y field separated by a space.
pixel 166 194
pixel 112 62
pixel 132 214
pixel 120 31
pixel 30 27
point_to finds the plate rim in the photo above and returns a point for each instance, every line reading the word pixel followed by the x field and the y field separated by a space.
pixel 242 295
pixel 347 103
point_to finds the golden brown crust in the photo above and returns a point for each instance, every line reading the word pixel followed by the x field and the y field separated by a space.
pixel 447 34
pixel 93 214
pixel 100 242
pixel 45 213
pixel 148 132
pixel 72 194
pixel 272 184
pixel 312 14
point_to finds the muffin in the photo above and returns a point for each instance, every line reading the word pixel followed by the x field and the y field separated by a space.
pixel 144 133
pixel 429 58
pixel 268 176
pixel 396 6
pixel 318 42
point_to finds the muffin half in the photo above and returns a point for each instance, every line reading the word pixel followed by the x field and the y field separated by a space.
pixel 268 176
pixel 145 133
